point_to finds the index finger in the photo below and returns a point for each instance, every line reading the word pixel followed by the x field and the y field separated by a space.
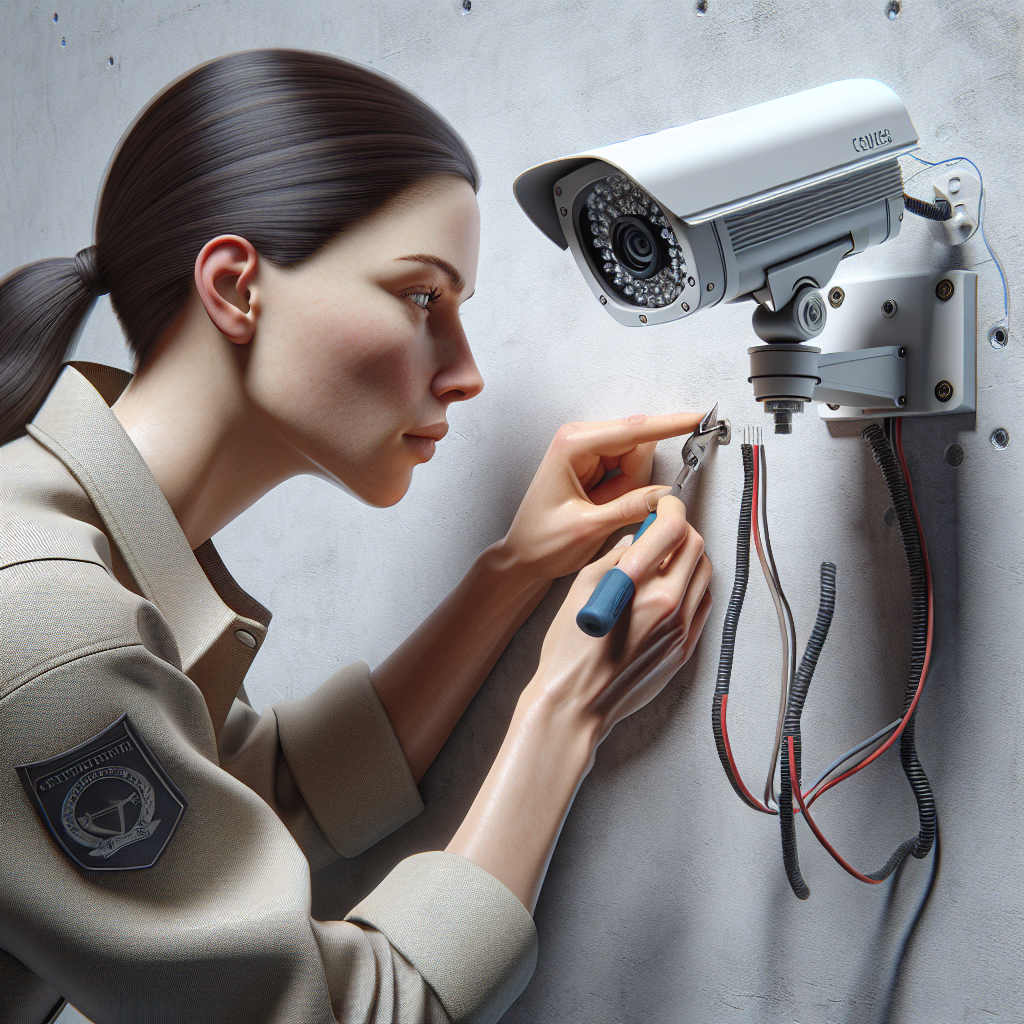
pixel 616 437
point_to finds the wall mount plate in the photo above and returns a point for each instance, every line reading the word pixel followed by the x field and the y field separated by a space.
pixel 934 316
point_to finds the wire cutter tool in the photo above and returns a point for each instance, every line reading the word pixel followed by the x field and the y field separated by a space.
pixel 616 589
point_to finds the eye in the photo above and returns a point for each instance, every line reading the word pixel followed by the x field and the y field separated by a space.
pixel 423 299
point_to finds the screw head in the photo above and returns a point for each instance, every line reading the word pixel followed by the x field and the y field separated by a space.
pixel 889 308
pixel 998 336
pixel 711 286
pixel 943 391
pixel 834 408
pixel 901 352
pixel 558 190
pixel 563 211
pixel 954 455
pixel 1000 438
pixel 944 289
pixel 686 307
pixel 836 296
pixel 901 401
pixel 604 301
pixel 643 319
pixel 690 281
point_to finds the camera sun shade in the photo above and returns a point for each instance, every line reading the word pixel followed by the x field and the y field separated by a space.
pixel 737 200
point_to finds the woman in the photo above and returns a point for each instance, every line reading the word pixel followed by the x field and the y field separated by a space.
pixel 286 239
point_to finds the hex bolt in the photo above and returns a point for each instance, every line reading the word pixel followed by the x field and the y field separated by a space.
pixel 943 391
pixel 836 296
pixel 1000 438
pixel 889 308
pixel 944 289
pixel 998 336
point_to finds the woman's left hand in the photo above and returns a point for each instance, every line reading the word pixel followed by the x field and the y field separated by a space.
pixel 570 509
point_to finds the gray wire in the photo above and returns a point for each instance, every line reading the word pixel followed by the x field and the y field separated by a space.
pixel 786 627
pixel 882 733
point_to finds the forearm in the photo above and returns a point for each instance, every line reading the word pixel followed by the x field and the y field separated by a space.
pixel 514 822
pixel 426 684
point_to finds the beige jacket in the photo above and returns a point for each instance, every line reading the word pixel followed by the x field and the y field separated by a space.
pixel 161 871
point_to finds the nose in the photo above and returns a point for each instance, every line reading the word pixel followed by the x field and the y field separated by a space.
pixel 458 379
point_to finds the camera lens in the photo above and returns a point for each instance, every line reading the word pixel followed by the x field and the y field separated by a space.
pixel 629 242
pixel 635 247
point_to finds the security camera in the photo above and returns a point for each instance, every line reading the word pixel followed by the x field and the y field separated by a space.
pixel 760 203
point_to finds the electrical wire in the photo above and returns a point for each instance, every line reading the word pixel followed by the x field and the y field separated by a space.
pixel 813 795
pixel 840 761
pixel 759 529
pixel 981 220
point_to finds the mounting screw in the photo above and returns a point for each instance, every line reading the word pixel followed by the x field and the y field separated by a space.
pixel 889 308
pixel 834 408
pixel 711 286
pixel 604 301
pixel 558 190
pixel 954 455
pixel 944 289
pixel 686 307
pixel 901 401
pixel 690 281
pixel 901 352
pixel 943 391
pixel 563 211
pixel 1000 438
pixel 836 296
pixel 998 336
pixel 643 319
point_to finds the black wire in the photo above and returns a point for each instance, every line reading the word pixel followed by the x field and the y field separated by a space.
pixel 939 210
pixel 794 708
pixel 732 617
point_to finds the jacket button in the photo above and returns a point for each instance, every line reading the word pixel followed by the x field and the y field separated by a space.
pixel 246 637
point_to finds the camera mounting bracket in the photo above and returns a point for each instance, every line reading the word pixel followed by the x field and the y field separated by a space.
pixel 932 317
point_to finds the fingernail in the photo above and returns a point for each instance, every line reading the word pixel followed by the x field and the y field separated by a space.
pixel 653 497
pixel 623 542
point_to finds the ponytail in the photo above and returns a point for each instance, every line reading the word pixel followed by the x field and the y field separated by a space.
pixel 42 309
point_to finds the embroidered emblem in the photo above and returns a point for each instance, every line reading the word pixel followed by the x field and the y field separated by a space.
pixel 108 802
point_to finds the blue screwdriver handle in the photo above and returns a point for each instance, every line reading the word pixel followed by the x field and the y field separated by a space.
pixel 610 596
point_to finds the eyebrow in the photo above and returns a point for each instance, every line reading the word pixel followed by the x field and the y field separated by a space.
pixel 435 261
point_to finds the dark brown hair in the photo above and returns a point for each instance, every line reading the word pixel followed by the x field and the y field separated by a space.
pixel 283 147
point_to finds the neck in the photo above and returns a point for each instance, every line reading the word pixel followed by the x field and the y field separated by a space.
pixel 211 452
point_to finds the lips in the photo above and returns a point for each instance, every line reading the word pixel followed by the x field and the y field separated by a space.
pixel 435 432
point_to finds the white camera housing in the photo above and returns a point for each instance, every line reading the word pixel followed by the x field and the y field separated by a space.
pixel 759 202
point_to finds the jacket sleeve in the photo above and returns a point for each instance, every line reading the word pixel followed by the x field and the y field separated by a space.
pixel 329 764
pixel 219 928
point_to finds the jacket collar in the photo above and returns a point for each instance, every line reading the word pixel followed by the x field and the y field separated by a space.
pixel 217 625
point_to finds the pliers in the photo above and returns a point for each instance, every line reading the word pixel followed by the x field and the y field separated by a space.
pixel 616 589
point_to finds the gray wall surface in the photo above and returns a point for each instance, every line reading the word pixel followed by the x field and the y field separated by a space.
pixel 666 900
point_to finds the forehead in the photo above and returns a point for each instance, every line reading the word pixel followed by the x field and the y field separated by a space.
pixel 439 216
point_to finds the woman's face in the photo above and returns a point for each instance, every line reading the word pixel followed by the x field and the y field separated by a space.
pixel 359 351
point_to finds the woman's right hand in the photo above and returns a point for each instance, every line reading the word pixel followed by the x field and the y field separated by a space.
pixel 601 681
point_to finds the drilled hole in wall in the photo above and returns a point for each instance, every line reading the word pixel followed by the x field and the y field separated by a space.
pixel 110 62
pixel 893 9
pixel 702 8
pixel 63 42
pixel 55 16
pixel 467 6
pixel 954 455
pixel 1000 438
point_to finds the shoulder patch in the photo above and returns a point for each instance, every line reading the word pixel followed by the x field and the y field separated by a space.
pixel 108 802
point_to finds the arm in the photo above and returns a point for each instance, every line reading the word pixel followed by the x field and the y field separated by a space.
pixel 582 687
pixel 427 683
pixel 569 511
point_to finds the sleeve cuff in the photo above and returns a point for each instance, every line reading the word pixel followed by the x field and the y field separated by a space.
pixel 347 762
pixel 466 933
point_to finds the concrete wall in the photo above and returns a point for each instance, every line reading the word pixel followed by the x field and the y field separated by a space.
pixel 665 900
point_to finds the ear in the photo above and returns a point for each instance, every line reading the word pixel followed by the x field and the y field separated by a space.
pixel 225 273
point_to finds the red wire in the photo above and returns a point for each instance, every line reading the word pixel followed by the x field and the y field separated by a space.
pixel 928 645
pixel 755 803
pixel 817 831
